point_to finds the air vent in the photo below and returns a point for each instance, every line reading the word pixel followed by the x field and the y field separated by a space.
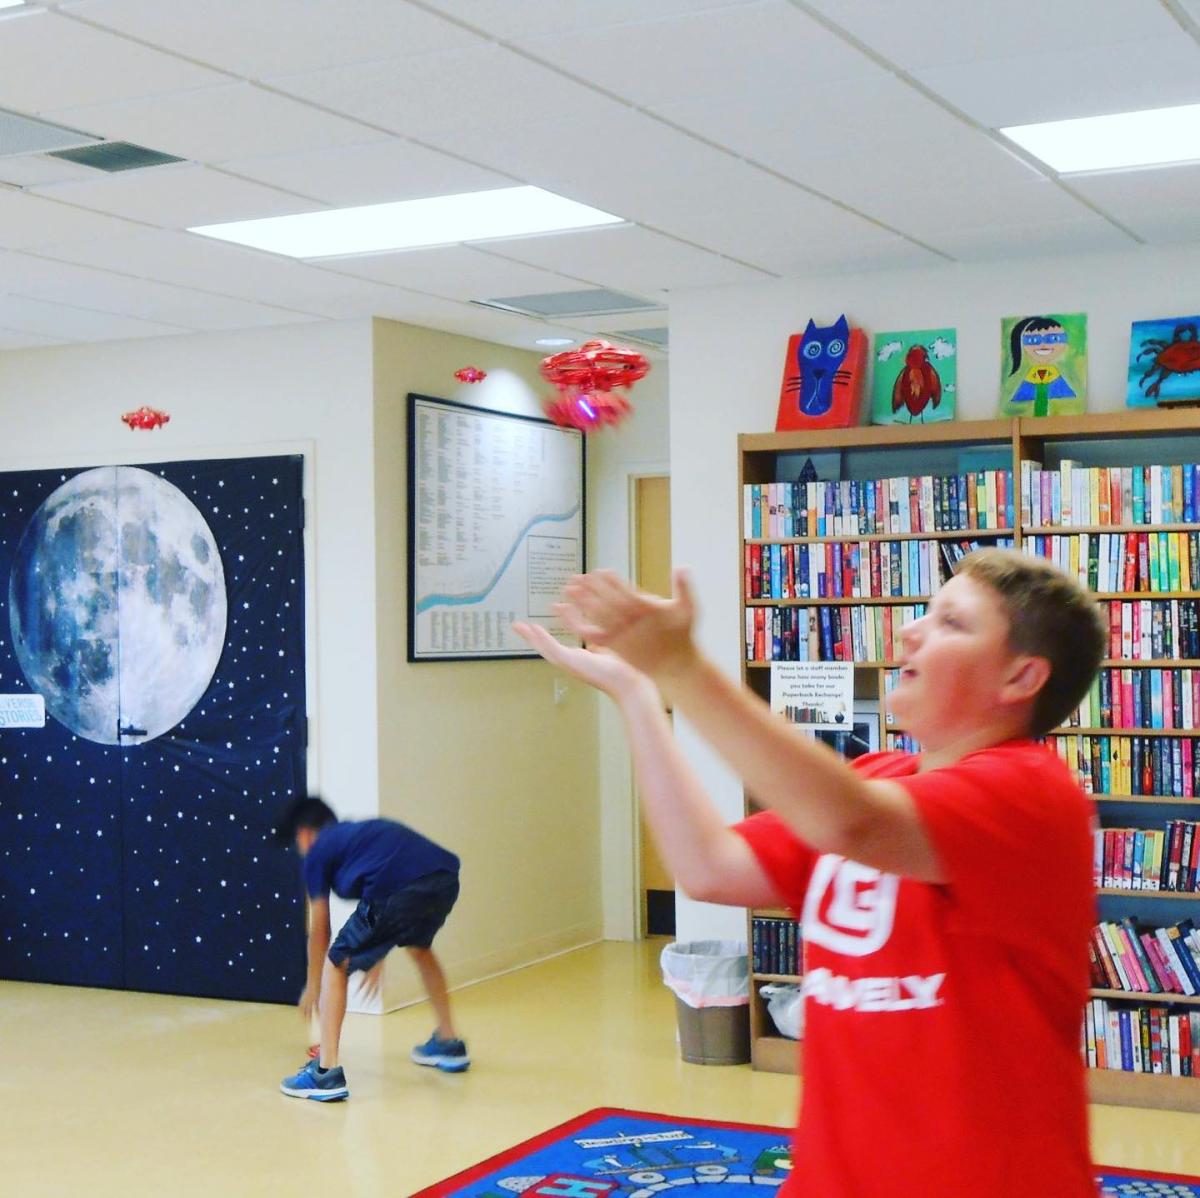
pixel 596 301
pixel 656 337
pixel 112 156
pixel 24 135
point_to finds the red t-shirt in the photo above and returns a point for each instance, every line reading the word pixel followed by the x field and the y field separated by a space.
pixel 941 1050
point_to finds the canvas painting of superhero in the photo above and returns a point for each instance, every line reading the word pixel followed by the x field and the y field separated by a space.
pixel 1043 369
pixel 1164 362
pixel 916 377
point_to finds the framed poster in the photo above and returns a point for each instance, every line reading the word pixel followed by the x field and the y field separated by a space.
pixel 495 527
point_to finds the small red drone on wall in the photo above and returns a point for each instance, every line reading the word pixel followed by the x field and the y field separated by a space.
pixel 146 417
pixel 585 378
pixel 470 374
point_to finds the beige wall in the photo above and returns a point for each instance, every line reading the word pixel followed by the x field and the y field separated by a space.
pixel 478 754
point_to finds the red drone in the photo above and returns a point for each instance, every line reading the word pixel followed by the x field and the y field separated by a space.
pixel 470 374
pixel 585 378
pixel 146 417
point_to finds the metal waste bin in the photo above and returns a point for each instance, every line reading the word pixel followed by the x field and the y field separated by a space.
pixel 711 983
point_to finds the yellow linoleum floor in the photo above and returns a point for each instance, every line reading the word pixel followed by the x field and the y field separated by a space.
pixel 110 1093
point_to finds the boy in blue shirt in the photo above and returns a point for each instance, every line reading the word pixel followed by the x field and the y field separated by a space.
pixel 406 886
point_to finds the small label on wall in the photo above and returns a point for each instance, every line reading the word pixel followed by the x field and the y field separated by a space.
pixel 22 711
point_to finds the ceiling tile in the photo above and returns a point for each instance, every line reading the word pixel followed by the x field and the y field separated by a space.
pixel 1050 85
pixel 30 170
pixel 454 272
pixel 488 88
pixel 274 37
pixel 368 174
pixel 628 258
pixel 11 339
pixel 517 20
pixel 921 33
pixel 177 196
pixel 102 291
pixel 62 322
pixel 1086 234
pixel 238 120
pixel 48 61
pixel 722 51
pixel 187 260
pixel 28 220
pixel 1159 205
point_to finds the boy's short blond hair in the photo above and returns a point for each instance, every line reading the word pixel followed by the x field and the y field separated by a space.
pixel 1050 615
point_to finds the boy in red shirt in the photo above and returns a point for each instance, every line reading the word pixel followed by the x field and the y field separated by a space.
pixel 946 898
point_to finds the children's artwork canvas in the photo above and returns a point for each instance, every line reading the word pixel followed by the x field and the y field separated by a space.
pixel 916 377
pixel 823 377
pixel 1043 368
pixel 1164 362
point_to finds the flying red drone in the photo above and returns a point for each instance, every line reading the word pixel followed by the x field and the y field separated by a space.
pixel 585 378
pixel 470 374
pixel 146 417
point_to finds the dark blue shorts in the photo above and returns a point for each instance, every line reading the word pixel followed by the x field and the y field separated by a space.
pixel 409 918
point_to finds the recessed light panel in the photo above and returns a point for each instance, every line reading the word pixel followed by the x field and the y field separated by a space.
pixel 407 224
pixel 1155 137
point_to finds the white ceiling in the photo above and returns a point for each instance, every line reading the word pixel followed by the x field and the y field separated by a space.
pixel 741 139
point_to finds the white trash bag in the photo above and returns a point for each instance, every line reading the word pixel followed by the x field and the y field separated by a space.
pixel 707 973
pixel 785 1005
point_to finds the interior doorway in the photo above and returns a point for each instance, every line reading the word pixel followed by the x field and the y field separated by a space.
pixel 652 572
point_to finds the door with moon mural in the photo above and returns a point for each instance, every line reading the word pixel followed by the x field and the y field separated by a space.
pixel 158 612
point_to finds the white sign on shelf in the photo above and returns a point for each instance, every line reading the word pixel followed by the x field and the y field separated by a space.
pixel 814 694
pixel 22 711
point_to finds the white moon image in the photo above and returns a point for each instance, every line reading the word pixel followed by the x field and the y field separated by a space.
pixel 117 605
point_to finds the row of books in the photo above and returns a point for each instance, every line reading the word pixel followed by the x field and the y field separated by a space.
pixel 1123 956
pixel 1154 562
pixel 1141 1039
pixel 776 945
pixel 1148 858
pixel 1159 697
pixel 976 499
pixel 854 569
pixel 1132 765
pixel 902 742
pixel 827 633
pixel 1153 629
pixel 1074 494
pixel 837 569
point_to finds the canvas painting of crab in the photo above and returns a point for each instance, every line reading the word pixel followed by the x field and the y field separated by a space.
pixel 1164 362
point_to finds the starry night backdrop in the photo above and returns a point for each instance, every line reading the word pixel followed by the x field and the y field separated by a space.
pixel 151 866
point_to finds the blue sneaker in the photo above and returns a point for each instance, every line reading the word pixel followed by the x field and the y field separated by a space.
pixel 329 1086
pixel 450 1056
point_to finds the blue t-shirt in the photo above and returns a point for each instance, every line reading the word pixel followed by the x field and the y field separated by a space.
pixel 368 859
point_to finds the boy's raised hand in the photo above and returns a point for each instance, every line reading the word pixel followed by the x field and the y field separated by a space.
pixel 600 669
pixel 654 635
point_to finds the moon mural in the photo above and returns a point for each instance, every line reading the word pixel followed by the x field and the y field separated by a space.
pixel 117 605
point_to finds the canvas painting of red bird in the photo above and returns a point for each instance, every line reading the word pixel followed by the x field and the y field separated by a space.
pixel 915 377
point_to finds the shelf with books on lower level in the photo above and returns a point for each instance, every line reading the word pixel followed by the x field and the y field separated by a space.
pixel 941 534
pixel 1111 798
pixel 1169 896
pixel 1153 999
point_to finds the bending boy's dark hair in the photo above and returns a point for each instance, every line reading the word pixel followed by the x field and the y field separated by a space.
pixel 307 811
pixel 1031 324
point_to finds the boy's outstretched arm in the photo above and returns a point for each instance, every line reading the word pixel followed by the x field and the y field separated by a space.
pixel 710 862
pixel 318 945
pixel 830 806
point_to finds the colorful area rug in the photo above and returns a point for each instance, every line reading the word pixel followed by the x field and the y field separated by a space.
pixel 610 1153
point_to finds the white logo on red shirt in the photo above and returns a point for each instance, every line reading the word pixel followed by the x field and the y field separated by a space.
pixel 849 908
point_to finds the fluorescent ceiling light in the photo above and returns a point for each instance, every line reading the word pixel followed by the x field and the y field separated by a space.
pixel 442 220
pixel 1156 137
pixel 555 341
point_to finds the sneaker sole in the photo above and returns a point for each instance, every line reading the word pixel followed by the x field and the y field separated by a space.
pixel 318 1095
pixel 445 1064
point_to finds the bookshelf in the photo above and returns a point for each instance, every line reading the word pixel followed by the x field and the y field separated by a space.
pixel 797 557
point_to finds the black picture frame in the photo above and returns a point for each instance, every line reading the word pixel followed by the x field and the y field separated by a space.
pixel 484 421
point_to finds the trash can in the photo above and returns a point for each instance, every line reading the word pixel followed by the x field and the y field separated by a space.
pixel 711 983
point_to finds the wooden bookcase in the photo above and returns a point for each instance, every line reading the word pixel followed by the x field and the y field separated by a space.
pixel 1142 438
